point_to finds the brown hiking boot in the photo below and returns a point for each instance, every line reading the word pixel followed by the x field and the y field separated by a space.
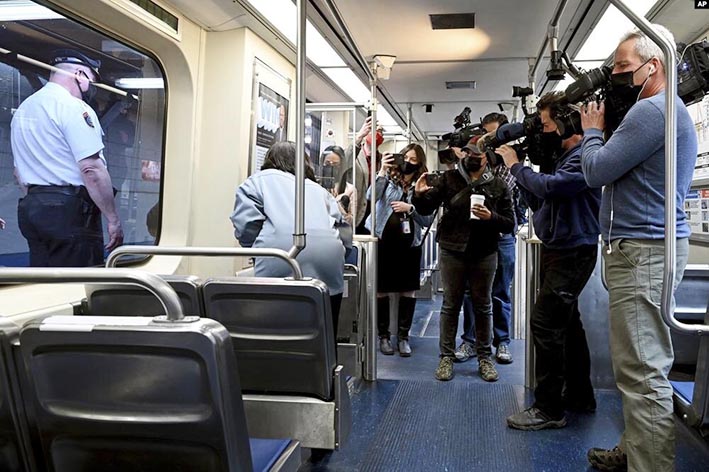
pixel 608 459
pixel 445 369
pixel 487 370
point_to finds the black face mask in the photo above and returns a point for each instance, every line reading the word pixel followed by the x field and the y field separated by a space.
pixel 90 93
pixel 551 145
pixel 472 164
pixel 329 175
pixel 623 94
pixel 409 168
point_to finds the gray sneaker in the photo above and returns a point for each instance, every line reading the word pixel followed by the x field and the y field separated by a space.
pixel 503 355
pixel 445 369
pixel 385 346
pixel 465 351
pixel 404 348
pixel 487 370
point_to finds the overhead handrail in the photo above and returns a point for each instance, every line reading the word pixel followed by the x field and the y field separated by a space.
pixel 50 68
pixel 151 282
pixel 670 259
pixel 119 252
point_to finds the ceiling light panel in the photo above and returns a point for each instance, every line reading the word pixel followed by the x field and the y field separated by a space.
pixel 612 26
pixel 349 83
pixel 282 14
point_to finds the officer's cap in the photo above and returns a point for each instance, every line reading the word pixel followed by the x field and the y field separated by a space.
pixel 72 56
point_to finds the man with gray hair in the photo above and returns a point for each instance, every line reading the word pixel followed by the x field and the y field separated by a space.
pixel 631 166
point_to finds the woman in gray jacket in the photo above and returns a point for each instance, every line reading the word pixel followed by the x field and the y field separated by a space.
pixel 263 218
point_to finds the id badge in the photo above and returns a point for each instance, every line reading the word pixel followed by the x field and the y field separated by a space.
pixel 405 226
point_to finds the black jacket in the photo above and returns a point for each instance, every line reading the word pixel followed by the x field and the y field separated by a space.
pixel 456 231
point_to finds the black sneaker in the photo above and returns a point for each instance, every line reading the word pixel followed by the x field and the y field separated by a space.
pixel 608 459
pixel 534 419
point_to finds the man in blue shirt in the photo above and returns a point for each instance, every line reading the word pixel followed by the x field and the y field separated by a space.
pixel 566 220
pixel 631 167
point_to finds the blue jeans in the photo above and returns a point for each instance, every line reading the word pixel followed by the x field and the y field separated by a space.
pixel 351 255
pixel 501 299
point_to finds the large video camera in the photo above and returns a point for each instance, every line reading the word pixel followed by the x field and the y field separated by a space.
pixel 692 85
pixel 459 138
pixel 529 129
pixel 693 72
pixel 590 86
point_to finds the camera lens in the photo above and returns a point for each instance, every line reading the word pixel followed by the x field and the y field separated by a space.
pixel 518 91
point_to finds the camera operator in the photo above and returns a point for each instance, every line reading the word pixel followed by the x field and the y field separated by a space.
pixel 631 166
pixel 501 299
pixel 468 235
pixel 566 220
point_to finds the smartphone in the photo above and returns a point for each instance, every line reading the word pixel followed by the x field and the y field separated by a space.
pixel 433 178
pixel 398 159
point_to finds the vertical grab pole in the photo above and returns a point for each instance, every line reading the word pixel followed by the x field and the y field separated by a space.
pixel 370 365
pixel 370 358
pixel 299 225
pixel 670 260
pixel 533 281
pixel 409 133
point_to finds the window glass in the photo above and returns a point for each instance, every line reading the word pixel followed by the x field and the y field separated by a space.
pixel 133 125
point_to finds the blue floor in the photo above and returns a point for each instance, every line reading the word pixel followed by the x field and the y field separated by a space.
pixel 408 421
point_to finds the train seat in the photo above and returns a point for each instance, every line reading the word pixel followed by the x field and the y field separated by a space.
pixel 129 300
pixel 349 326
pixel 15 455
pixel 692 300
pixel 692 307
pixel 692 398
pixel 118 393
pixel 283 338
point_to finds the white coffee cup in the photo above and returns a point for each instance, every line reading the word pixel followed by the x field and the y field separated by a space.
pixel 476 199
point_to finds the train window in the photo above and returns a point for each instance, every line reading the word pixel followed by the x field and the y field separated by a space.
pixel 130 110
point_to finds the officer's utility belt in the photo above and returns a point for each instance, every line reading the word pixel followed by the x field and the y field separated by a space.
pixel 72 190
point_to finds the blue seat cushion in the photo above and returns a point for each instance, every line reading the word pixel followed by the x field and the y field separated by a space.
pixel 685 389
pixel 265 452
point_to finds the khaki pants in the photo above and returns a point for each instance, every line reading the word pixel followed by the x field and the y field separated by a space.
pixel 641 349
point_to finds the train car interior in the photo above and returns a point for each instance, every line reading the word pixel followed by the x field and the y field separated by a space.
pixel 178 354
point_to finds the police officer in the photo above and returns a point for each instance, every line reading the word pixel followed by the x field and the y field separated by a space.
pixel 58 153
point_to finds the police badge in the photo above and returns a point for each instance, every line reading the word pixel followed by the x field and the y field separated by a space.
pixel 87 119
